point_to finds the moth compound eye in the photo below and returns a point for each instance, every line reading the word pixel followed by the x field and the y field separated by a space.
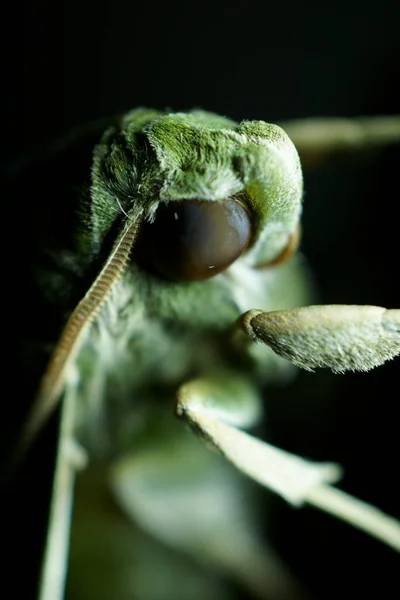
pixel 195 239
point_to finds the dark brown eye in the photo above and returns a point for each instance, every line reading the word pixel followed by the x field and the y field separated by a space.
pixel 195 239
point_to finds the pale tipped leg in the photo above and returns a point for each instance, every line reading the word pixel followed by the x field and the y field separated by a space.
pixel 322 140
pixel 340 337
pixel 295 479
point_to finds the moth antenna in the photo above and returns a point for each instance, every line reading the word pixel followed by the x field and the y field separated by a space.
pixel 52 382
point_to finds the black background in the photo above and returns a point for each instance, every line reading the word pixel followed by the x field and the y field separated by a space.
pixel 67 63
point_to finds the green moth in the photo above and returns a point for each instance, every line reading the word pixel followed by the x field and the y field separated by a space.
pixel 178 248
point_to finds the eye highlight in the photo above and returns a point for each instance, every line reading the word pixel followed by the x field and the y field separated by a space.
pixel 191 240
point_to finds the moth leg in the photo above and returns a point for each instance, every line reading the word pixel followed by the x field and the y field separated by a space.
pixel 70 458
pixel 340 337
pixel 295 479
pixel 192 500
pixel 320 140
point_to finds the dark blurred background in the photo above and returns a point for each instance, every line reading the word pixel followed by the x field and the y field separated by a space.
pixel 69 62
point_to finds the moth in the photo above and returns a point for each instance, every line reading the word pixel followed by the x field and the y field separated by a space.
pixel 168 270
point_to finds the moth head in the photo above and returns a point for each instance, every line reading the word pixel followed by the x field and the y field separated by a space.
pixel 208 190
